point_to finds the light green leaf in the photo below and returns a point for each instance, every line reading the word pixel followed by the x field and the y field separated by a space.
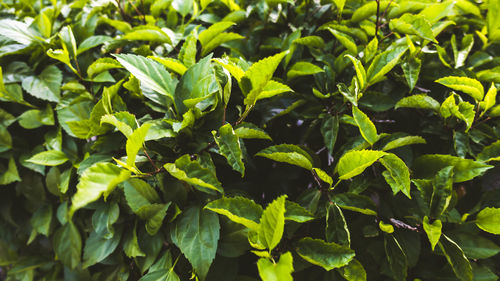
pixel 397 174
pixel 366 126
pixel 303 68
pixel 297 213
pixel 493 21
pixel 68 245
pixel 427 166
pixel 184 7
pixel 353 271
pixel 418 101
pixel 411 70
pixel 326 255
pixel 138 194
pixel 250 131
pixel 99 179
pixel 288 153
pixel 151 74
pixel 101 65
pixel 282 270
pixel 230 147
pixel 131 246
pixel 11 175
pixel 489 99
pixel 45 86
pixel 403 141
pixel 192 172
pixel 62 55
pixel 18 31
pixel 272 89
pixel 311 41
pixel 383 63
pixel 49 158
pixel 35 118
pixel 470 86
pixel 456 258
pixel 465 112
pixel 219 40
pixel 360 71
pixel 489 220
pixel 187 54
pixel 238 209
pixel 385 227
pixel 91 42
pixel 121 126
pixel 258 75
pixel 135 142
pixel 442 187
pixel 154 215
pixel 196 85
pixel 413 25
pixel 323 176
pixel 172 64
pixel 355 162
pixel 490 152
pixel 5 139
pixel 369 9
pixel 147 33
pixel 196 233
pixel 211 32
pixel 272 223
pixel 433 231
pixel 355 202
pixel 345 39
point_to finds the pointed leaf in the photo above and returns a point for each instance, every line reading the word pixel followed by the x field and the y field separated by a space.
pixel 355 162
pixel 354 271
pixel 193 173
pixel 303 68
pixel 326 255
pixel 456 258
pixel 489 220
pixel 418 101
pixel 470 86
pixel 398 261
pixel 135 142
pixel 403 141
pixel 397 174
pixel 238 209
pixel 250 131
pixel 230 147
pixel 49 158
pixel 490 152
pixel 427 166
pixel 68 245
pixel 383 63
pixel 45 86
pixel 282 270
pixel 288 153
pixel 366 126
pixel 272 223
pixel 413 25
pixel 360 71
pixel 297 213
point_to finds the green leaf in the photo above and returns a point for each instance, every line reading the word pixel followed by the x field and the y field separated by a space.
pixel 489 220
pixel 282 270
pixel 250 131
pixel 123 127
pixel 413 25
pixel 230 147
pixel 171 64
pixel 297 213
pixel 135 142
pixel 355 202
pixel 353 271
pixel 383 63
pixel 433 231
pixel 323 176
pixel 366 126
pixel 187 54
pixel 151 74
pixel 272 223
pixel 196 233
pixel 258 75
pixel 183 6
pixel 456 258
pixel 101 65
pixel 288 153
pixel 40 222
pixel 97 248
pixel 442 189
pixel 139 193
pixel 345 39
pixel 403 141
pixel 49 158
pixel 303 68
pixel 426 166
pixel 355 162
pixel 196 85
pixel 131 246
pixel 470 86
pixel 490 152
pixel 493 22
pixel 18 31
pixel 193 173
pixel 11 175
pixel 218 40
pixel 91 42
pixel 147 33
pixel 396 257
pixel 311 41
pixel 369 9
pixel 45 86
pixel 326 255
pixel 411 70
pixel 329 130
pixel 238 209
pixel 385 227
pixel 418 101
pixel 397 174
pixel 99 179
pixel 34 118
pixel 489 99
pixel 360 71
pixel 154 215
pixel 336 226
pixel 68 245
pixel 475 246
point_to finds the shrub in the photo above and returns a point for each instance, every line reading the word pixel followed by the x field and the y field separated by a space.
pixel 249 140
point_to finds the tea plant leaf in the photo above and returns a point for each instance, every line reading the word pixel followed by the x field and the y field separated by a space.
pixel 49 158
pixel 427 166
pixel 403 141
pixel 282 270
pixel 45 86
pixel 147 33
pixel 383 63
pixel 230 147
pixel 18 31
pixel 398 261
pixel 345 40
pixel 326 255
pixel 68 245
pixel 413 25
pixel 99 179
pixel 272 223
pixel 360 71
pixel 101 65
pixel 489 99
pixel 397 174
pixel 196 233
pixel 490 152
pixel 411 69
pixel 303 68
pixel 489 220
pixel 470 86
pixel 193 173
pixel 238 209
pixel 353 271
pixel 354 162
pixel 219 40
pixel 297 213
pixel 250 131
pixel 287 153
pixel 418 101
pixel 135 142
pixel 355 202
pixel 433 231
pixel 366 126
pixel 456 259
pixel 329 130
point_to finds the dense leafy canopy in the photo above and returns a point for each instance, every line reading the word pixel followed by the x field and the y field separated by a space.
pixel 223 140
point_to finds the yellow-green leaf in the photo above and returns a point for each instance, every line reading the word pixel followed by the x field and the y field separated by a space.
pixel 467 85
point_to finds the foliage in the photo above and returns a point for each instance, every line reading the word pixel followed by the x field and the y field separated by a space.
pixel 249 140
